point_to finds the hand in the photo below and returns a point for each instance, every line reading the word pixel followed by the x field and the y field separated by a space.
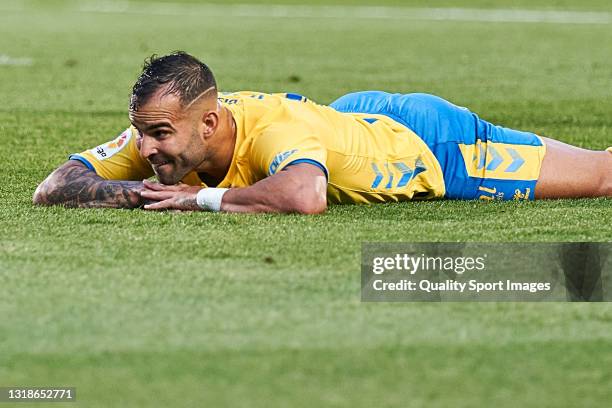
pixel 177 197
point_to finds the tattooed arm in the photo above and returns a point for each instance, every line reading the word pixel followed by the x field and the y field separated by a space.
pixel 74 185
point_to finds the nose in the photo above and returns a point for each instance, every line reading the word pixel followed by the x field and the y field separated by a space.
pixel 148 146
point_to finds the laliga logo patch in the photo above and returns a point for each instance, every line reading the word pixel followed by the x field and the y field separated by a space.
pixel 107 150
pixel 278 159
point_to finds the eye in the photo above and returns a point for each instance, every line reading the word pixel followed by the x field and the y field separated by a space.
pixel 160 134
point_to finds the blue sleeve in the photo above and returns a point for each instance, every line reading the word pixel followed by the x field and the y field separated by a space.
pixel 83 160
pixel 309 161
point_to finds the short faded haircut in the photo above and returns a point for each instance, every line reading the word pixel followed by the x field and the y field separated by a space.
pixel 182 74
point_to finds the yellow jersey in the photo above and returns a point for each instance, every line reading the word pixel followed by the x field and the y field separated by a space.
pixel 367 158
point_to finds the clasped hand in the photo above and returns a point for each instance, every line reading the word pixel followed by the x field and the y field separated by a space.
pixel 176 197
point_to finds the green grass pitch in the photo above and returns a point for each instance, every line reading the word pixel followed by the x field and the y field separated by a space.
pixel 164 309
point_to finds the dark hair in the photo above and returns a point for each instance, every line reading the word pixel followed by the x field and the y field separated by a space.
pixel 184 74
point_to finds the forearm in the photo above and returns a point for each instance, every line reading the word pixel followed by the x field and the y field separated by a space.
pixel 255 200
pixel 300 189
pixel 284 193
pixel 74 185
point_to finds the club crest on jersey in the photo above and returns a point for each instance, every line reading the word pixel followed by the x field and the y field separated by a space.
pixel 109 149
pixel 278 159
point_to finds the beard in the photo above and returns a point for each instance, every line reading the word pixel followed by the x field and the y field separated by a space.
pixel 170 173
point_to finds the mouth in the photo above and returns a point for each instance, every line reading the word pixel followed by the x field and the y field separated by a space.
pixel 157 165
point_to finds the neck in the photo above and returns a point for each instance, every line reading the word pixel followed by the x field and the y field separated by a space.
pixel 218 163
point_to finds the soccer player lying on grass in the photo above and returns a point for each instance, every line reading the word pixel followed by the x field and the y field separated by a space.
pixel 282 153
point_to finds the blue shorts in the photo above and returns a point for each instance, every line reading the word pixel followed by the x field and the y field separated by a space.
pixel 478 159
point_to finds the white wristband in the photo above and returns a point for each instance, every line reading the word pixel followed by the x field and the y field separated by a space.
pixel 210 198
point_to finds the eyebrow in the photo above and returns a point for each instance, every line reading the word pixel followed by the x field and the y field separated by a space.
pixel 159 124
pixel 155 126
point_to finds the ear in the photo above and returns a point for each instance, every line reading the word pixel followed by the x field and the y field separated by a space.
pixel 210 122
